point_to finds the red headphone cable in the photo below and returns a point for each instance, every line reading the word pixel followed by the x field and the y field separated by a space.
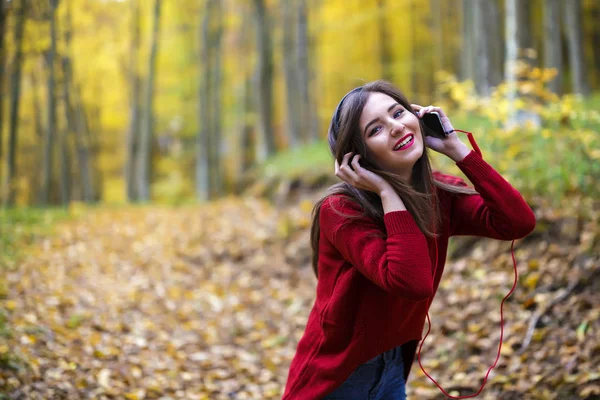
pixel 516 277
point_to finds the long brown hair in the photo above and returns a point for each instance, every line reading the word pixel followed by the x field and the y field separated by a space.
pixel 344 137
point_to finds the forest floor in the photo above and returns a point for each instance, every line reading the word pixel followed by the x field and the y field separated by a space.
pixel 209 302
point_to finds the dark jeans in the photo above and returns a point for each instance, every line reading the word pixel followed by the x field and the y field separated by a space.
pixel 381 378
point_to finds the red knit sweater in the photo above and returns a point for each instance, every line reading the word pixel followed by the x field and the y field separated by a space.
pixel 373 291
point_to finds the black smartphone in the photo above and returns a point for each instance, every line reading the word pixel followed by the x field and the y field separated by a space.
pixel 433 125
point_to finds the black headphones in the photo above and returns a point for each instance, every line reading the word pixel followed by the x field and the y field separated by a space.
pixel 338 110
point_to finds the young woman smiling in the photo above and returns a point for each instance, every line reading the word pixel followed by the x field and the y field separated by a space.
pixel 379 241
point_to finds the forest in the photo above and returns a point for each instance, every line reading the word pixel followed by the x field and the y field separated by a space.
pixel 159 161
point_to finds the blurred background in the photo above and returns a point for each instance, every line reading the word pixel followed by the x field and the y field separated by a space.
pixel 129 100
pixel 159 161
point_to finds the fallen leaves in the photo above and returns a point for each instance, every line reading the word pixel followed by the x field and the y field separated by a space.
pixel 209 303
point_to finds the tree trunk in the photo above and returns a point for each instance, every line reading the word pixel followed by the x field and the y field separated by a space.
pixel 65 170
pixel 85 145
pixel 69 115
pixel 248 133
pixel 414 59
pixel 217 77
pixel 14 104
pixel 517 39
pixel 145 155
pixel 436 22
pixel 209 176
pixel 594 15
pixel 266 145
pixel 37 108
pixel 573 24
pixel 493 19
pixel 86 190
pixel 309 123
pixel 47 166
pixel 552 43
pixel 68 129
pixel 247 127
pixel 3 19
pixel 524 38
pixel 290 73
pixel 203 142
pixel 512 50
pixel 385 52
pixel 134 105
pixel 82 145
pixel 468 41
pixel 483 57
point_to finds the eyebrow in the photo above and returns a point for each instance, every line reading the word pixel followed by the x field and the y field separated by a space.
pixel 377 119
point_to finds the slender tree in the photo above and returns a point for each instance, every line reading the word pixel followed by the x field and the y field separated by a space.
pixel 266 145
pixel 552 42
pixel 385 51
pixel 208 146
pixel 468 40
pixel 15 98
pixel 290 69
pixel 485 48
pixel 308 118
pixel 3 19
pixel 71 105
pixel 134 104
pixel 437 20
pixel 47 167
pixel 216 78
pixel 144 164
pixel 203 142
pixel 573 25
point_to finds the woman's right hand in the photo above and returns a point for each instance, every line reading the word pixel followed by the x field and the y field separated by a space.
pixel 353 173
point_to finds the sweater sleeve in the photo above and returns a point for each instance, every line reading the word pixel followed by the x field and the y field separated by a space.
pixel 398 262
pixel 498 210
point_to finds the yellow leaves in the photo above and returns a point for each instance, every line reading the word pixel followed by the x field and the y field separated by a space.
pixel 211 300
pixel 273 341
pixel 513 150
pixel 10 305
pixel 77 209
pixel 581 330
pixel 103 378
pixel 136 395
pixel 531 280
pixel 533 264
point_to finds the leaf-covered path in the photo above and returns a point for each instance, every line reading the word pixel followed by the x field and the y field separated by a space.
pixel 209 303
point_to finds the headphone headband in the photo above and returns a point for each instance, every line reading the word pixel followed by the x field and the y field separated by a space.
pixel 338 109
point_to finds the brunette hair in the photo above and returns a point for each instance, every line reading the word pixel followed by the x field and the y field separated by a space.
pixel 344 136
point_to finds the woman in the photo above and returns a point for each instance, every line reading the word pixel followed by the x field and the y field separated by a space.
pixel 379 243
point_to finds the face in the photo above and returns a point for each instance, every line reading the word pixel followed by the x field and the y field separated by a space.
pixel 392 134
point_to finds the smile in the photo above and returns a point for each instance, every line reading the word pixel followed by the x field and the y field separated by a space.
pixel 405 142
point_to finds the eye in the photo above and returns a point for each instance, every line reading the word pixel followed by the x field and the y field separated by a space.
pixel 374 130
pixel 398 113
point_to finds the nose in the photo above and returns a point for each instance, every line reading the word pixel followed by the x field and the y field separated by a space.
pixel 397 128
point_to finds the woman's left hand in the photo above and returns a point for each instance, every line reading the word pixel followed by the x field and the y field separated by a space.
pixel 451 146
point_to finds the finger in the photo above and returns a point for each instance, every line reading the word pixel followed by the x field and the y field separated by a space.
pixel 437 110
pixel 337 167
pixel 346 159
pixel 349 173
pixel 423 111
pixel 416 107
pixel 355 165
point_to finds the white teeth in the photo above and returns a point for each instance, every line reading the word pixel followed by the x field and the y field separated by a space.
pixel 403 143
